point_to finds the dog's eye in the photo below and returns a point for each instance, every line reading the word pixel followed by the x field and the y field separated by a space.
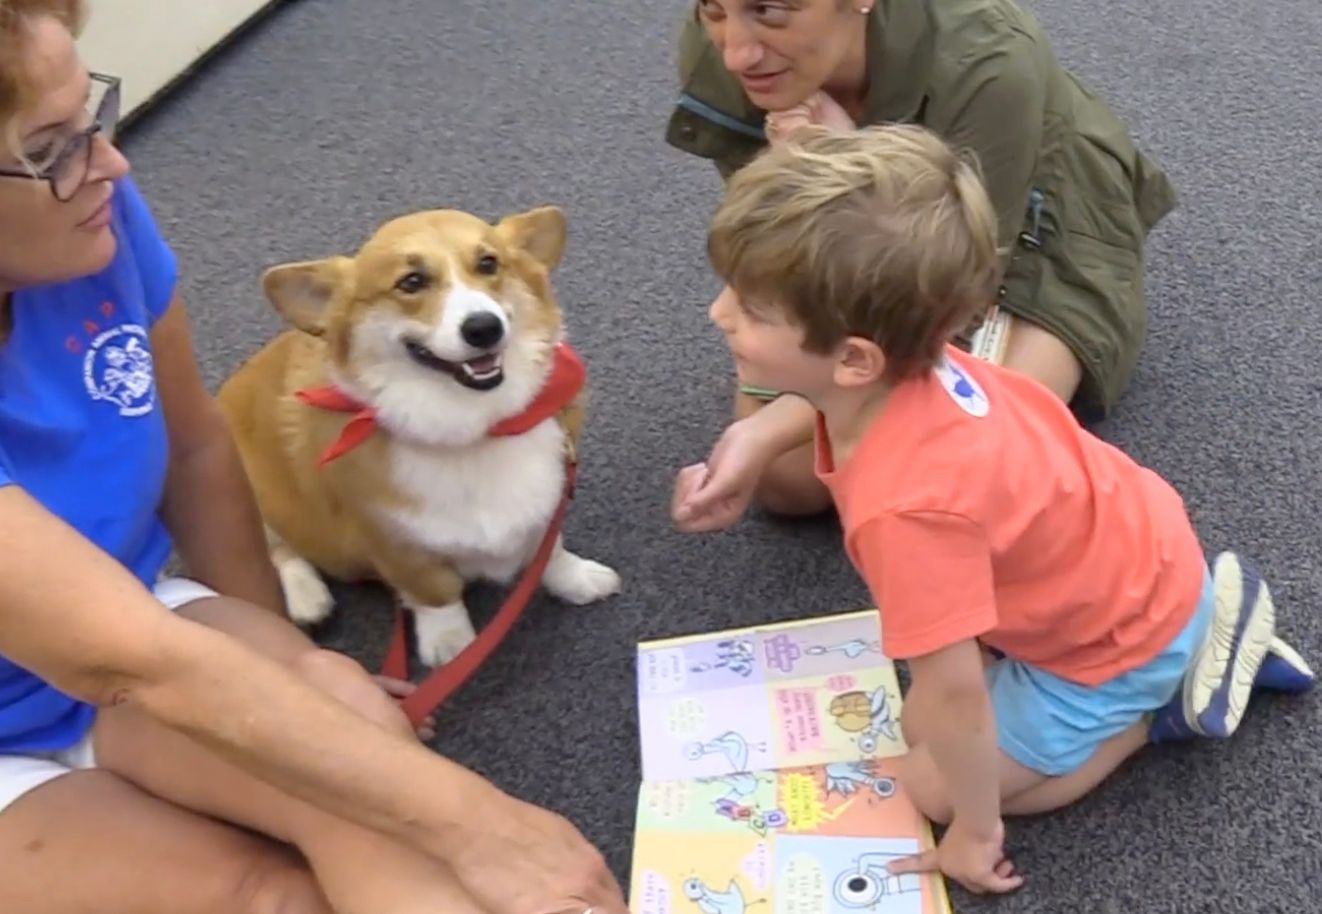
pixel 487 264
pixel 412 282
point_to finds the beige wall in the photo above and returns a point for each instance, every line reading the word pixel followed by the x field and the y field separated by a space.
pixel 150 42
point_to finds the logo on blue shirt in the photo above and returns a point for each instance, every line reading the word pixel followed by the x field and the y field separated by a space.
pixel 118 369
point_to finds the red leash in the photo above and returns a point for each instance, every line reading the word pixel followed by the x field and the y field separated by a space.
pixel 442 682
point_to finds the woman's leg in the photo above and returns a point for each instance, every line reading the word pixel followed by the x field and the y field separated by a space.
pixel 360 872
pixel 90 841
pixel 789 485
pixel 1043 356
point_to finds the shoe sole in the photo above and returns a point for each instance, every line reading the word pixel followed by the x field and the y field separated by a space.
pixel 1221 677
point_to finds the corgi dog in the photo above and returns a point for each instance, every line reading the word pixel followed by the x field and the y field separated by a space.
pixel 412 426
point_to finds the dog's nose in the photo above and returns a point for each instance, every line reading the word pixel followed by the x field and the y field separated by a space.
pixel 482 330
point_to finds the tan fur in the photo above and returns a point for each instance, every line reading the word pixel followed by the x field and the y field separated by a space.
pixel 342 517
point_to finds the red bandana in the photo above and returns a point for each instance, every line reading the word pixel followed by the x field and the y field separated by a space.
pixel 566 380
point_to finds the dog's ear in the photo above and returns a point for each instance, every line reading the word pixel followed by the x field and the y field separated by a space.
pixel 540 232
pixel 302 292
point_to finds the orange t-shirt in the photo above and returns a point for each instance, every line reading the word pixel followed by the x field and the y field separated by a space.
pixel 976 506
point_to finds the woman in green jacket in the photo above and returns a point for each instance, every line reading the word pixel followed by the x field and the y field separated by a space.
pixel 1074 196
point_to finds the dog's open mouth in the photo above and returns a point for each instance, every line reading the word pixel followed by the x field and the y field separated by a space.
pixel 482 373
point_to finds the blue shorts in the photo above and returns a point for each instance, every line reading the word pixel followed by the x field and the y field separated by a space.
pixel 1053 726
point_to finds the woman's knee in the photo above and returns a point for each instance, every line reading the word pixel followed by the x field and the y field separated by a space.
pixel 1044 357
pixel 278 638
pixel 348 681
pixel 271 884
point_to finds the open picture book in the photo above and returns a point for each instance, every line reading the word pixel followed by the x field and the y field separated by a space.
pixel 770 776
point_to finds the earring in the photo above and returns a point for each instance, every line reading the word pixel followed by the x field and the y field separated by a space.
pixel 864 10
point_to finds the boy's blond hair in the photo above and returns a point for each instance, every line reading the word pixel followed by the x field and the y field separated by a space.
pixel 884 233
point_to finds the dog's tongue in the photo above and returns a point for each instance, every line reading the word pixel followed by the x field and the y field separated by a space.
pixel 484 363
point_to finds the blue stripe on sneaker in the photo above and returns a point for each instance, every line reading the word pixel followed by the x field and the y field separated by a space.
pixel 1280 674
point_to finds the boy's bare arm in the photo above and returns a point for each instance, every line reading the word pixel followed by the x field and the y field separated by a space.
pixel 959 730
pixel 782 425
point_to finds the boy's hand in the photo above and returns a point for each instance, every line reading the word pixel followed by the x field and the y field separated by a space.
pixel 977 862
pixel 715 494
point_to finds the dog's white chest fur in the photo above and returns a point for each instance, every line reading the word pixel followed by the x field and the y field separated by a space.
pixel 484 507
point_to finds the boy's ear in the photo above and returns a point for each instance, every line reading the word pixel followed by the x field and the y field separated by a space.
pixel 302 292
pixel 859 361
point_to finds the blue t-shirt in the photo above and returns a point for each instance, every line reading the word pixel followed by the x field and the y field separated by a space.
pixel 81 431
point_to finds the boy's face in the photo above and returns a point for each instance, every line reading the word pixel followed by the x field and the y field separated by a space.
pixel 768 349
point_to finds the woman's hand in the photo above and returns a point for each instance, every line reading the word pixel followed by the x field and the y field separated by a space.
pixel 819 110
pixel 782 124
pixel 521 859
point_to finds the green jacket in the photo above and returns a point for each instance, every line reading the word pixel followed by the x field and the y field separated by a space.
pixel 1075 198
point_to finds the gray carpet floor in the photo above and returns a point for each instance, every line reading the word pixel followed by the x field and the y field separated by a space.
pixel 334 115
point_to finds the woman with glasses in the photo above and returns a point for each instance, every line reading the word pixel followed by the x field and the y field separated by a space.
pixel 176 746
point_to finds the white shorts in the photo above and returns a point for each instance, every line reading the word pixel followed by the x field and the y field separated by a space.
pixel 20 774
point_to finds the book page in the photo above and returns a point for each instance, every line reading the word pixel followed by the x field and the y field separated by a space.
pixel 812 840
pixel 790 695
pixel 771 760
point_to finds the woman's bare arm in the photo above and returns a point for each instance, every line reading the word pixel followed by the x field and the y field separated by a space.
pixel 76 618
pixel 208 505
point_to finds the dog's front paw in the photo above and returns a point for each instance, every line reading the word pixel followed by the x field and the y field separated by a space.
pixel 306 594
pixel 443 631
pixel 577 580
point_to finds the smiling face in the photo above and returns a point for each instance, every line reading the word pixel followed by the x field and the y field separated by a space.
pixel 448 307
pixel 440 316
pixel 768 349
pixel 784 51
pixel 44 239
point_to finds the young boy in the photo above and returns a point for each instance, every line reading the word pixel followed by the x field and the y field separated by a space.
pixel 1050 596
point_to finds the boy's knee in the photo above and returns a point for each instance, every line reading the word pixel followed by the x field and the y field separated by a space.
pixel 925 787
pixel 788 488
pixel 932 802
pixel 269 884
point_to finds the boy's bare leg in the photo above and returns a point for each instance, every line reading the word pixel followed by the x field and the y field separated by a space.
pixel 1024 792
pixel 789 486
pixel 1058 792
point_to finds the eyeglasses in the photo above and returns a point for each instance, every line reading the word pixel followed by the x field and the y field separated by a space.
pixel 67 162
